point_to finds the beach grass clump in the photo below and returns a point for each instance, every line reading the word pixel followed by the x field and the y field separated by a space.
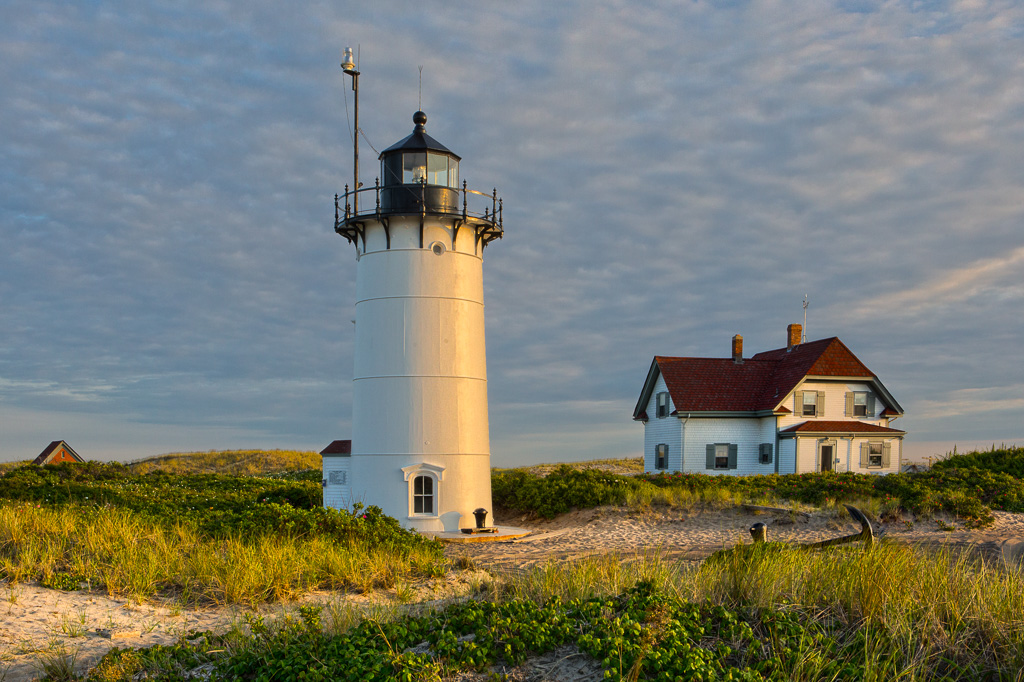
pixel 131 555
pixel 1004 459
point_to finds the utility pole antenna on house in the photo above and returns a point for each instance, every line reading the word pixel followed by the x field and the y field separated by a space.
pixel 806 303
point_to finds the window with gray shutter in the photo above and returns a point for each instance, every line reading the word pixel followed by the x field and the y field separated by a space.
pixel 662 405
pixel 721 455
pixel 661 456
pixel 765 453
pixel 870 411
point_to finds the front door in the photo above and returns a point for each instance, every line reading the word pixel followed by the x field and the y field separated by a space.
pixel 826 457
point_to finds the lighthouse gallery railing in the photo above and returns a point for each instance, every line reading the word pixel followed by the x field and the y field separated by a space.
pixel 475 209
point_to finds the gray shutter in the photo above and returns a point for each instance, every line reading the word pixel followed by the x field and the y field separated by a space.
pixel 865 449
pixel 710 456
pixel 849 404
pixel 820 411
pixel 799 409
pixel 886 454
pixel 733 452
pixel 871 405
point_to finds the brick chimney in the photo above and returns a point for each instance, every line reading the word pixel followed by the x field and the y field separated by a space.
pixel 793 332
pixel 737 349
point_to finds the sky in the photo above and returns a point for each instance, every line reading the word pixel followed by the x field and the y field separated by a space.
pixel 673 173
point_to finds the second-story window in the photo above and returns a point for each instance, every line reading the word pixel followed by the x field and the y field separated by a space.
pixel 662 403
pixel 810 404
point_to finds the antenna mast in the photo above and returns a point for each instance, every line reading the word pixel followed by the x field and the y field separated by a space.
pixel 806 303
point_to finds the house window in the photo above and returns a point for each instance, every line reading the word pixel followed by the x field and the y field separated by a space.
pixel 423 495
pixel 875 455
pixel 810 404
pixel 860 404
pixel 661 456
pixel 662 402
pixel 765 453
pixel 721 456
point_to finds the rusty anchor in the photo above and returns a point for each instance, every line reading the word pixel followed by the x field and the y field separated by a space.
pixel 759 532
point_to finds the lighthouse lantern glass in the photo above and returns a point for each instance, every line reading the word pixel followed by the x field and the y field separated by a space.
pixel 414 168
pixel 437 169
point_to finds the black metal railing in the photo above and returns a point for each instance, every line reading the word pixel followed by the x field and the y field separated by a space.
pixel 484 211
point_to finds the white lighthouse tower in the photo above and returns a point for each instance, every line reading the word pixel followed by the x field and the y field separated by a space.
pixel 420 445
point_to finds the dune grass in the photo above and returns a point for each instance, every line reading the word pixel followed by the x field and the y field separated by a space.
pixel 757 613
pixel 931 614
pixel 10 466
pixel 235 462
pixel 129 555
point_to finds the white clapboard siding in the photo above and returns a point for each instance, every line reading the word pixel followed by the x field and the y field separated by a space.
pixel 337 482
pixel 665 430
pixel 746 433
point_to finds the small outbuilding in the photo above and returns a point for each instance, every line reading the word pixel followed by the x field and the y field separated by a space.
pixel 56 452
pixel 337 465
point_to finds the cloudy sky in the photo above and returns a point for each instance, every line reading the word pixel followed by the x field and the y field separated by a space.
pixel 673 173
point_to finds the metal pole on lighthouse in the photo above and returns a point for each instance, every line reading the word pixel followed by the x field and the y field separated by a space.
pixel 349 67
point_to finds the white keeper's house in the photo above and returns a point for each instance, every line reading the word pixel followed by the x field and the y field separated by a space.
pixel 807 407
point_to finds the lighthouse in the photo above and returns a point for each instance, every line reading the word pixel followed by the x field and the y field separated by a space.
pixel 420 447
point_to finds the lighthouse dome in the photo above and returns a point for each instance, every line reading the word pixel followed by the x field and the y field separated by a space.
pixel 419 174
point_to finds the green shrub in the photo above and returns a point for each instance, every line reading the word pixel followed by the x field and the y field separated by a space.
pixel 1007 460
pixel 560 491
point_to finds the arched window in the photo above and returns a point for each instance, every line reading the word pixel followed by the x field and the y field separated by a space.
pixel 424 481
pixel 423 495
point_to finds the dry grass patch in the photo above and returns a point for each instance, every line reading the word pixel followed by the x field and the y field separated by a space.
pixel 234 462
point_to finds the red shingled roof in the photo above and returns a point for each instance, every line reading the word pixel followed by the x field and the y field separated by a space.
pixel 757 384
pixel 57 451
pixel 824 426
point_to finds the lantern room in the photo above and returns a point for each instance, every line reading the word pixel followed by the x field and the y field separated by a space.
pixel 419 174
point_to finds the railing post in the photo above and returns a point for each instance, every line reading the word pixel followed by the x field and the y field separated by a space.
pixel 463 199
pixel 348 207
pixel 494 202
pixel 335 209
pixel 501 212
pixel 377 185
